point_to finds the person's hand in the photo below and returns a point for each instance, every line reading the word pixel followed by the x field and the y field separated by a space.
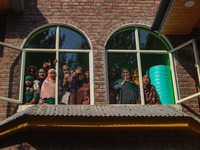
pixel 124 80
pixel 55 61
pixel 31 90
pixel 127 79
pixel 67 75
pixel 32 102
pixel 49 64
pixel 44 65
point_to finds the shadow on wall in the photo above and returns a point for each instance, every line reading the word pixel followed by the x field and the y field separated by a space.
pixel 16 27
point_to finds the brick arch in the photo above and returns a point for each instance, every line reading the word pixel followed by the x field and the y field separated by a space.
pixel 112 29
pixel 68 23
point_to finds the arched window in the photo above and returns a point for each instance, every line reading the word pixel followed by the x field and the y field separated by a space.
pixel 137 49
pixel 72 50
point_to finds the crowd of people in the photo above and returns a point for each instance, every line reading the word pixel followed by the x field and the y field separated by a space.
pixel 74 86
pixel 126 90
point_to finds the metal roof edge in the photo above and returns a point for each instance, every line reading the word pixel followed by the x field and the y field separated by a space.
pixel 164 4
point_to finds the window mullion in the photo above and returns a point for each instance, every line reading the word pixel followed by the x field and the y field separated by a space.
pixel 91 70
pixel 173 72
pixel 22 70
pixel 139 67
pixel 57 65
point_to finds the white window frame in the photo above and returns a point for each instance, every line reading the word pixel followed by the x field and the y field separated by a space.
pixel 56 51
pixel 21 84
pixel 138 53
pixel 178 100
pixel 172 66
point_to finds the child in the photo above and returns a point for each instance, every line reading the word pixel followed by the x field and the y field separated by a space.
pixel 29 93
pixel 135 76
pixel 32 71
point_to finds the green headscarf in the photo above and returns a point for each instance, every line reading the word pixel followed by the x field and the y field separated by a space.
pixel 29 77
pixel 131 86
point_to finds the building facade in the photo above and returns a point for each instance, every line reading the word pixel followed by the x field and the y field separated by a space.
pixel 99 35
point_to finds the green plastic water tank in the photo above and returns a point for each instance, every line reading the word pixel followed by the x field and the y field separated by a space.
pixel 160 76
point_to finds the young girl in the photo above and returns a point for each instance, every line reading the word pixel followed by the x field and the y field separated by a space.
pixel 29 93
pixel 48 88
pixel 135 76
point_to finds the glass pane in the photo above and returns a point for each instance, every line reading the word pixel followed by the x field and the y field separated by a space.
pixel 149 60
pixel 44 38
pixel 10 73
pixel 151 41
pixel 186 71
pixel 157 66
pixel 70 39
pixel 123 39
pixel 34 87
pixel 74 78
pixel 128 93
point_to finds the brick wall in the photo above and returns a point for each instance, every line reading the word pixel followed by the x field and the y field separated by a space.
pixel 96 18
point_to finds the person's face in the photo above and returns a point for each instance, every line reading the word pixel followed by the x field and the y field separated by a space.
pixel 28 82
pixel 146 80
pixel 112 72
pixel 52 75
pixel 87 74
pixel 32 72
pixel 42 74
pixel 126 74
pixel 81 77
pixel 65 70
pixel 135 72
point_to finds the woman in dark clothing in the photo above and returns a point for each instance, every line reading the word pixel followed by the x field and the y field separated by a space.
pixel 128 90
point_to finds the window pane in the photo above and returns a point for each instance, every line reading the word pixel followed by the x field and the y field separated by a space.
pixel 123 39
pixel 149 60
pixel 37 59
pixel 186 71
pixel 74 78
pixel 10 73
pixel 44 38
pixel 70 39
pixel 127 94
pixel 34 67
pixel 151 41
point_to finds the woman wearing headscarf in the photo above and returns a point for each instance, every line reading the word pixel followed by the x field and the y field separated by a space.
pixel 48 88
pixel 150 94
pixel 128 90
pixel 41 76
pixel 32 71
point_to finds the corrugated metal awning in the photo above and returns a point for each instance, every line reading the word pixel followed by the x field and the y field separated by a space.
pixel 99 116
